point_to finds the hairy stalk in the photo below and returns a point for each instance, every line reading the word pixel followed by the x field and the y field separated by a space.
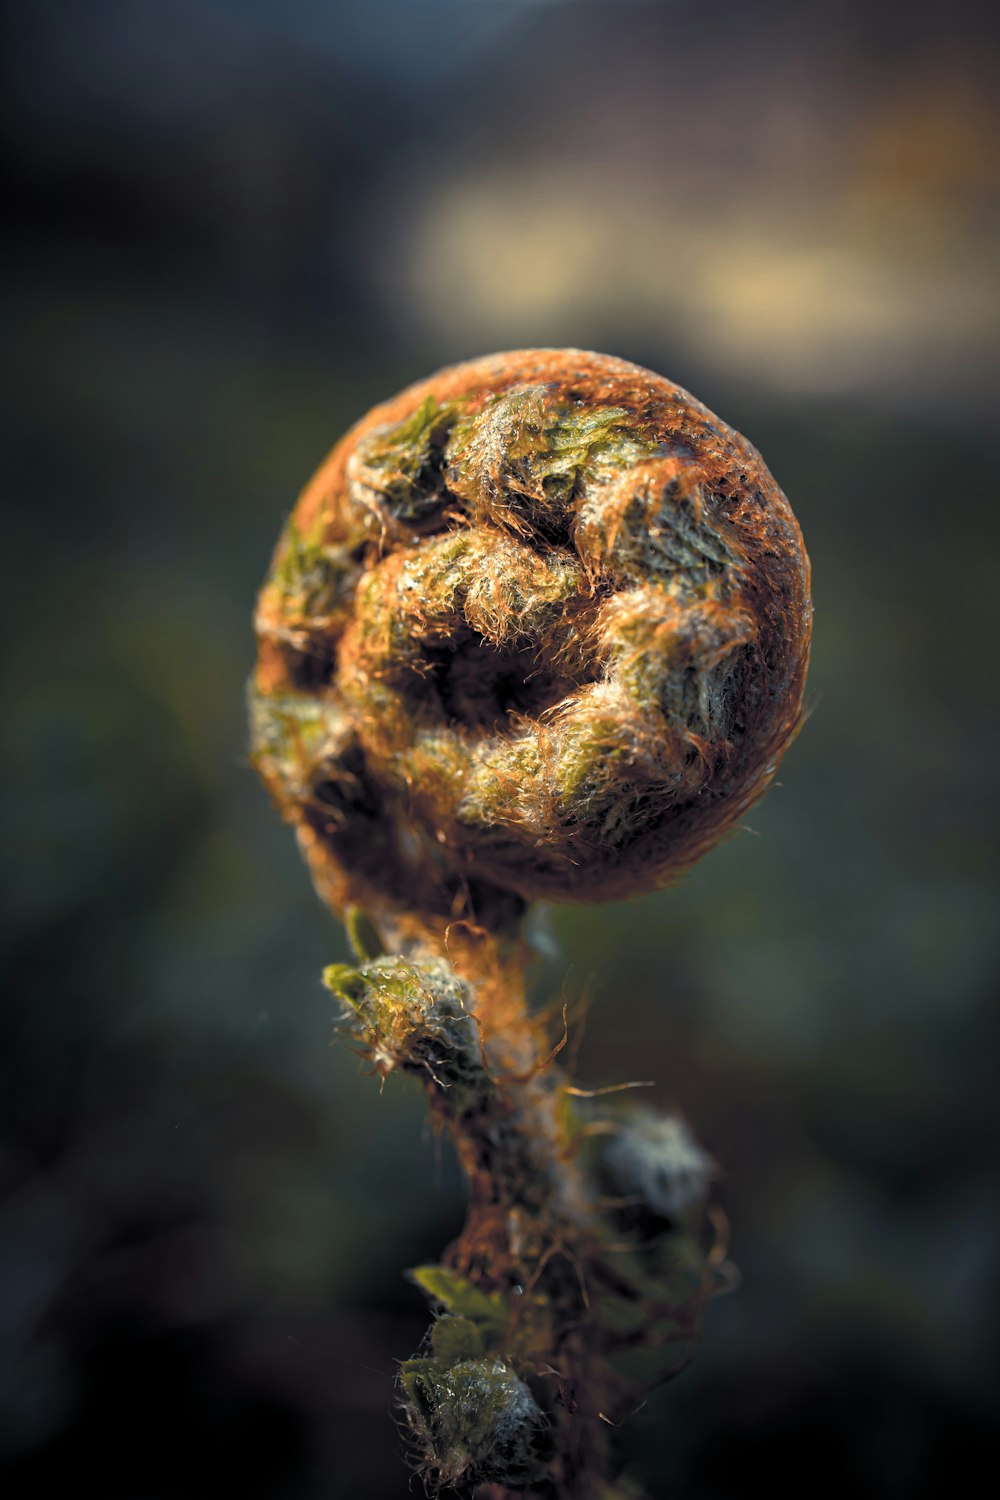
pixel 573 1264
pixel 538 627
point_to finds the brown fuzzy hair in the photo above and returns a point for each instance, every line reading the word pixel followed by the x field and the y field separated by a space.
pixel 538 627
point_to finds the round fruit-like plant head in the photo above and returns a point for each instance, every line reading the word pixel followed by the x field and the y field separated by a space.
pixel 538 627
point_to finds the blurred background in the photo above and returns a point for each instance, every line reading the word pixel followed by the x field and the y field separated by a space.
pixel 232 225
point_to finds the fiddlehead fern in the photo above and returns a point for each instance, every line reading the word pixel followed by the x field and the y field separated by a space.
pixel 538 628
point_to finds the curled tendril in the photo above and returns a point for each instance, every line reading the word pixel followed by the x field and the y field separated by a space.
pixel 538 626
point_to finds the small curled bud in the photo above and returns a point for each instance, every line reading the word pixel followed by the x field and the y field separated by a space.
pixel 538 627
pixel 655 1164
pixel 476 1420
pixel 412 1016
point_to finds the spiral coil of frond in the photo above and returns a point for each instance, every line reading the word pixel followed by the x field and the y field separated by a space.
pixel 538 625
pixel 538 628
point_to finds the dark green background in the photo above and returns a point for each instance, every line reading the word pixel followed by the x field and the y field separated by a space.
pixel 230 228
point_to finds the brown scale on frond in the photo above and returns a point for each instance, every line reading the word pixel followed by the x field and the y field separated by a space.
pixel 551 617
